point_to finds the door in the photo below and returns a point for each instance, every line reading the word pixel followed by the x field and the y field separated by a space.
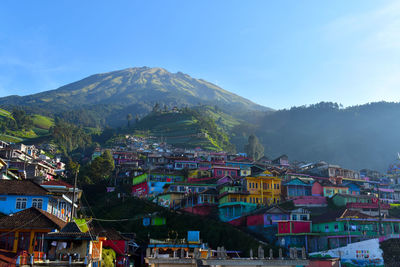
pixel 23 241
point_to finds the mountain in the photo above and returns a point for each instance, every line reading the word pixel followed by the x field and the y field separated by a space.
pixel 365 136
pixel 109 97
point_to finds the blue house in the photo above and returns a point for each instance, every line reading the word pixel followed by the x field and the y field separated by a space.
pixel 18 195
pixel 354 189
pixel 296 187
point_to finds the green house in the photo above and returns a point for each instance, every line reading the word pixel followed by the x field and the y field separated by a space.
pixel 342 227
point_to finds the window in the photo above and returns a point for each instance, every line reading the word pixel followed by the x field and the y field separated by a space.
pixel 21 203
pixel 274 186
pixel 256 185
pixel 7 240
pixel 294 217
pixel 303 217
pixel 3 198
pixel 336 227
pixel 37 203
pixel 277 186
pixel 326 228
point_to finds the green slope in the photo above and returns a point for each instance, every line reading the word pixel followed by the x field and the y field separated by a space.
pixel 187 128
pixel 41 126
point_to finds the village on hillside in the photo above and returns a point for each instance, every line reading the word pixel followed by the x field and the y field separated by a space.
pixel 314 212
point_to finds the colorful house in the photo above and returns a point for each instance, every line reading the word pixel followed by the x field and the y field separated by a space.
pixel 341 227
pixel 294 233
pixel 282 160
pixel 329 189
pixel 201 203
pixel 264 188
pixel 232 203
pixel 295 188
pixel 119 243
pixel 17 195
pixel 264 221
pixel 75 240
pixel 24 232
pixel 221 171
pixel 152 184
pixel 354 188
pixel 175 193
pixel 185 164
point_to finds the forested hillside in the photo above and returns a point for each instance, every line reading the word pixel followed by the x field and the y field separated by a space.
pixel 365 136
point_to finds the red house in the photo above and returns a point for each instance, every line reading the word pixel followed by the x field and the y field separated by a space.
pixel 294 233
pixel 221 171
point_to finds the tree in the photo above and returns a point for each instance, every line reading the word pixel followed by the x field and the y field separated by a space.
pixel 22 120
pixel 129 117
pixel 101 167
pixel 254 149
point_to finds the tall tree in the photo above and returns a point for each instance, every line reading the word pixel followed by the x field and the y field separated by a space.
pixel 254 149
pixel 101 167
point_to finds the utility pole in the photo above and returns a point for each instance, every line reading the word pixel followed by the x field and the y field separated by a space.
pixel 73 192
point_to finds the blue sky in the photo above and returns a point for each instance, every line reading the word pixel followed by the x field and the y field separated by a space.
pixel 276 53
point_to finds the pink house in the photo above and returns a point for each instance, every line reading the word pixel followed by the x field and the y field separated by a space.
pixel 221 171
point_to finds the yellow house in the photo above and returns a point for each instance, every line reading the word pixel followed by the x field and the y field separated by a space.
pixel 25 230
pixel 264 188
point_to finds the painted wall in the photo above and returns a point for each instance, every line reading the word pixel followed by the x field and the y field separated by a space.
pixel 316 189
pixel 8 203
pixel 364 253
pixel 294 227
pixel 330 191
pixel 140 190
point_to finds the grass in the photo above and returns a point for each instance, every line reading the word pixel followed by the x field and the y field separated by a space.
pixel 42 122
pixel 10 138
pixel 5 113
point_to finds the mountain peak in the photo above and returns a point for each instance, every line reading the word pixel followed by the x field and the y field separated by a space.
pixel 136 90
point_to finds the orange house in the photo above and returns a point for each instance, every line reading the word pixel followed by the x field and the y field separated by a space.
pixel 23 232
